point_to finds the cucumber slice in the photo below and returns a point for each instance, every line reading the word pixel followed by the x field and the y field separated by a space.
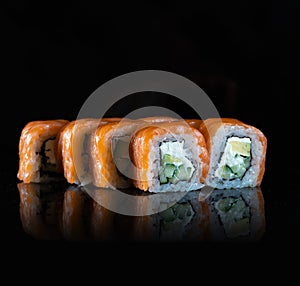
pixel 247 161
pixel 226 172
pixel 241 171
pixel 235 168
pixel 182 173
pixel 169 170
pixel 174 179
pixel 162 177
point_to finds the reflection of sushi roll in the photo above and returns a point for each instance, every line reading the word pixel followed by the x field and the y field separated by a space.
pixel 169 157
pixel 185 220
pixel 147 227
pixel 38 159
pixel 176 217
pixel 237 153
pixel 40 209
pixel 74 148
pixel 236 214
pixel 101 220
pixel 75 214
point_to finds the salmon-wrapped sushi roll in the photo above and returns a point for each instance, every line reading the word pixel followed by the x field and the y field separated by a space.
pixel 73 145
pixel 158 119
pixel 109 151
pixel 237 153
pixel 73 142
pixel 169 157
pixel 194 122
pixel 38 158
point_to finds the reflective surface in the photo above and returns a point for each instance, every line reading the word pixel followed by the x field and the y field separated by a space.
pixel 69 213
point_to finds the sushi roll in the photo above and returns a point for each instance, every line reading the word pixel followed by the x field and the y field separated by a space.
pixel 109 154
pixel 194 122
pixel 237 153
pixel 73 142
pixel 236 215
pixel 73 148
pixel 157 119
pixel 168 157
pixel 110 163
pixel 38 158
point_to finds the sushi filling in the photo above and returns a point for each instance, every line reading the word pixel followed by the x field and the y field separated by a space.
pixel 120 147
pixel 48 161
pixel 234 215
pixel 85 154
pixel 235 160
pixel 175 166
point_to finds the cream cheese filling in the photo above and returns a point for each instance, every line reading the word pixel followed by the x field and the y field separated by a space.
pixel 235 159
pixel 175 165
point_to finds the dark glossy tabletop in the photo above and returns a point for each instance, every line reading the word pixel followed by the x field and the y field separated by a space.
pixel 63 212
pixel 66 213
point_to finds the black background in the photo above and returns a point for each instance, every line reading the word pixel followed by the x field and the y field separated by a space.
pixel 243 54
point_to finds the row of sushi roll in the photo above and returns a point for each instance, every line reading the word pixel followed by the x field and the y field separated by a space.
pixel 65 212
pixel 154 154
